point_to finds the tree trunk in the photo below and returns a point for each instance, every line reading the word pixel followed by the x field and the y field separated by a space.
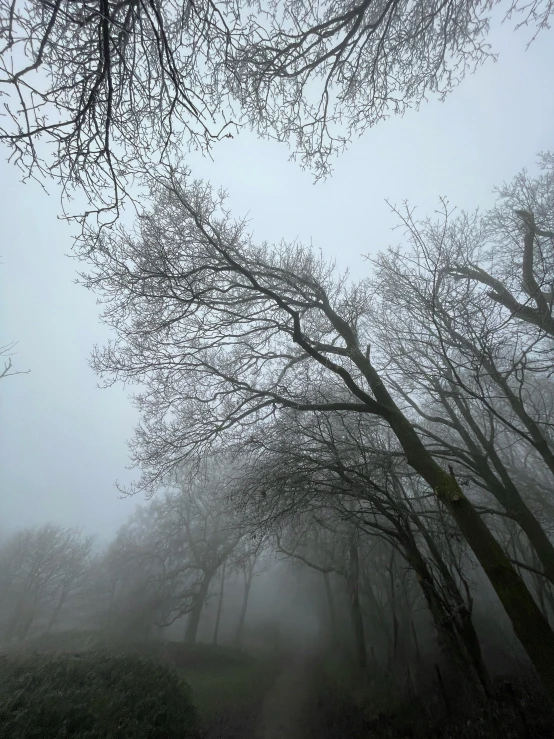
pixel 196 612
pixel 537 536
pixel 416 642
pixel 54 617
pixel 355 608
pixel 23 632
pixel 464 622
pixel 503 489
pixel 530 625
pixel 331 605
pixel 219 605
pixel 15 621
pixel 240 628
pixel 394 649
pixel 442 619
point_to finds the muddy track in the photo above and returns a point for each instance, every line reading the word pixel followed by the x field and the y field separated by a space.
pixel 286 712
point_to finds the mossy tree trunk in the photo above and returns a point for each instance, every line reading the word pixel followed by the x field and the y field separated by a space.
pixel 529 623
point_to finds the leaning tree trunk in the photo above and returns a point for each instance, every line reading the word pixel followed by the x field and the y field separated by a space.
pixel 442 619
pixel 196 612
pixel 56 614
pixel 416 642
pixel 25 626
pixel 464 623
pixel 530 625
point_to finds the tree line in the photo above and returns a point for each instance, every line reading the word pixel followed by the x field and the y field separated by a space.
pixel 402 418
pixel 392 435
pixel 416 393
pixel 164 565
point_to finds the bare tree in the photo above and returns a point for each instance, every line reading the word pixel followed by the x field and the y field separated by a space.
pixel 106 84
pixel 211 538
pixel 347 465
pixel 476 383
pixel 146 575
pixel 224 334
pixel 247 558
pixel 167 556
pixel 6 353
pixel 315 546
pixel 113 87
pixel 40 569
pixel 321 74
pixel 509 251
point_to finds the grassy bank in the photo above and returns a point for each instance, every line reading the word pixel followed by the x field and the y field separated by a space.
pixel 226 682
pixel 227 686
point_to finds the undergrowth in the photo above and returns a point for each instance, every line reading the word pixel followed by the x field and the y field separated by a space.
pixel 93 696
pixel 358 707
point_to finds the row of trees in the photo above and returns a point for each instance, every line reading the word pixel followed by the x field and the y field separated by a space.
pixel 172 556
pixel 178 555
pixel 391 434
pixel 42 571
pixel 421 393
pixel 162 567
pixel 412 408
pixel 395 577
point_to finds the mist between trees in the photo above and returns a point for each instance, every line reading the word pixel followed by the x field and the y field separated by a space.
pixel 389 440
pixel 384 446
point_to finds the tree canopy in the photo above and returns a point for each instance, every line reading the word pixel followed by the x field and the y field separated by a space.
pixel 95 93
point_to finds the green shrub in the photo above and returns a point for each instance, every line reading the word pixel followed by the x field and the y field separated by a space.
pixel 93 696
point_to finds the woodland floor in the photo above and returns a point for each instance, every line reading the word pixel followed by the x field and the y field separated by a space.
pixel 310 699
pixel 282 711
pixel 306 695
pixel 293 707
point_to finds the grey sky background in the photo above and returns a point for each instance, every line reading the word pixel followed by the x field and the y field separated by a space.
pixel 63 440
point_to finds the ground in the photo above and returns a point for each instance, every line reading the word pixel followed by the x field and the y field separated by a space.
pixel 291 699
pixel 287 707
pixel 305 695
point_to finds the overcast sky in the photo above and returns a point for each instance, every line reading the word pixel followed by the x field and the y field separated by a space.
pixel 63 440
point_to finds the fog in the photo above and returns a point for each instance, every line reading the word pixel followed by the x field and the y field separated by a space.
pixel 255 499
pixel 63 441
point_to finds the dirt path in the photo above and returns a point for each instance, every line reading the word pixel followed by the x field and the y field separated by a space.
pixel 285 711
